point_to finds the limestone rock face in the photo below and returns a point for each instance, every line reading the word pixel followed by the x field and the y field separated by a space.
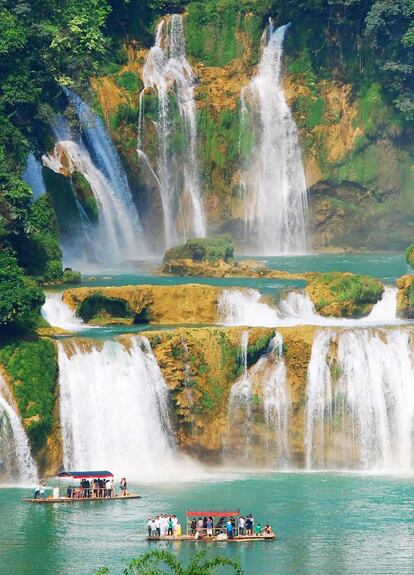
pixel 193 304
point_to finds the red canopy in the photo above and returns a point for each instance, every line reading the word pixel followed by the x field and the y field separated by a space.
pixel 212 513
pixel 85 474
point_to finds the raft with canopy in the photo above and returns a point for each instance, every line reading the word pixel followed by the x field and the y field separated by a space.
pixel 219 530
pixel 91 486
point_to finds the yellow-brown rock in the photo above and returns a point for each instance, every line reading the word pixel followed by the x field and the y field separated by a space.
pixel 192 303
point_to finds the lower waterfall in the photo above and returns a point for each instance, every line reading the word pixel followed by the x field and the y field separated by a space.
pixel 360 400
pixel 16 462
pixel 113 409
pixel 259 410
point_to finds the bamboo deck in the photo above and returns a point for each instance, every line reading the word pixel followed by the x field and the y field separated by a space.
pixel 80 499
pixel 214 539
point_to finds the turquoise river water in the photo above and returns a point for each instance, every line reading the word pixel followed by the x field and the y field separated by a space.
pixel 326 524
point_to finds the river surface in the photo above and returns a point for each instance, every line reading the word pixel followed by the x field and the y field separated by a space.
pixel 326 523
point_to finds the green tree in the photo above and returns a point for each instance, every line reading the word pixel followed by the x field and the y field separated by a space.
pixel 18 294
pixel 162 562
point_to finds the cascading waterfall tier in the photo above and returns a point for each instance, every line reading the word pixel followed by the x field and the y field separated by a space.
pixel 113 409
pixel 167 72
pixel 273 181
pixel 360 400
pixel 117 235
pixel 246 307
pixel 259 410
pixel 16 462
pixel 58 314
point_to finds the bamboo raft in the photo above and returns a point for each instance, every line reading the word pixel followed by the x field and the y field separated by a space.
pixel 219 533
pixel 80 499
pixel 91 491
pixel 215 538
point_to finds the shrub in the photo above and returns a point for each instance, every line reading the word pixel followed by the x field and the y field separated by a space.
pixel 201 249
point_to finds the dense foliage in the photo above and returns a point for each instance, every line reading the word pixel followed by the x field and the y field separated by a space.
pixel 18 295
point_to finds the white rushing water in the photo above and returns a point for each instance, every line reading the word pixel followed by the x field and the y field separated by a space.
pixel 114 411
pixel 260 401
pixel 16 462
pixel 245 307
pixel 59 314
pixel 33 177
pixel 360 400
pixel 168 73
pixel 272 175
pixel 117 236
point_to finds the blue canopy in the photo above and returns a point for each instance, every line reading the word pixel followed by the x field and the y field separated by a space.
pixel 85 474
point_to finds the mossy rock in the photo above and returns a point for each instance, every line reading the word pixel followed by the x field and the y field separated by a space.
pixel 344 294
pixel 201 249
pixel 405 297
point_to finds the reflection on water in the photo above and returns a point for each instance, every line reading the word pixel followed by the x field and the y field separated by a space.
pixel 346 524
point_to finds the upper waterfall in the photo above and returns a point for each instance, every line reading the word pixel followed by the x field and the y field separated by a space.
pixel 168 72
pixel 16 461
pixel 114 409
pixel 272 174
pixel 117 235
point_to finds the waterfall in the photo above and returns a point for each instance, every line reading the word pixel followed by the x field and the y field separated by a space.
pixel 33 177
pixel 243 307
pixel 58 314
pixel 117 236
pixel 167 72
pixel 298 304
pixel 113 409
pixel 259 409
pixel 386 309
pixel 240 407
pixel 272 180
pixel 276 401
pixel 16 462
pixel 360 400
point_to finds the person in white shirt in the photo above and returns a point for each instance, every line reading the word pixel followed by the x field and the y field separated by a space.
pixel 158 525
pixel 149 525
pixel 153 528
pixel 242 523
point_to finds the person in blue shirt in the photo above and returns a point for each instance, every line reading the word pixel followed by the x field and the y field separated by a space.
pixel 229 529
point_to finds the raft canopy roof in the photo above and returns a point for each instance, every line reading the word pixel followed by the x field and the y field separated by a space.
pixel 212 513
pixel 85 474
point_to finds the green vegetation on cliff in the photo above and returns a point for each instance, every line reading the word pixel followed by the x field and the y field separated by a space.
pixel 32 368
